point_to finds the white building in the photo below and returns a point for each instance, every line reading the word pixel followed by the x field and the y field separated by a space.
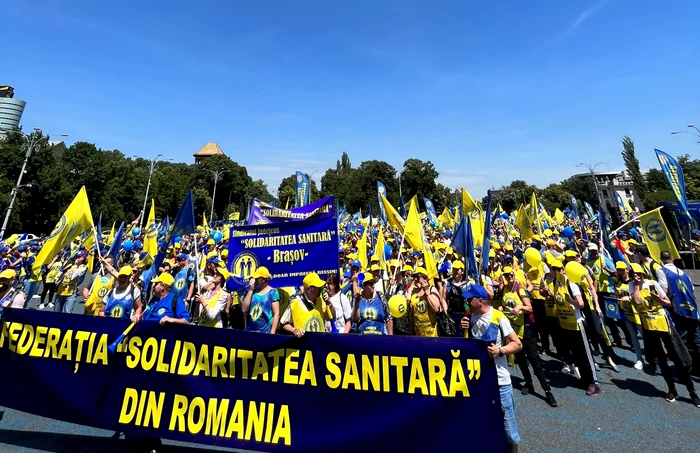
pixel 610 183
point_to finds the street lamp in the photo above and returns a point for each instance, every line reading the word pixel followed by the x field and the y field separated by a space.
pixel 400 194
pixel 216 174
pixel 591 169
pixel 32 141
pixel 697 142
pixel 310 183
pixel 148 187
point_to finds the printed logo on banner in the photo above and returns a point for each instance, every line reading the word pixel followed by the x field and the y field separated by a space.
pixel 299 178
pixel 102 292
pixel 381 190
pixel 244 264
pixel 59 227
pixel 654 230
pixel 261 221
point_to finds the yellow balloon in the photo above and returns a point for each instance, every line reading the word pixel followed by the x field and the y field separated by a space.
pixel 533 257
pixel 398 306
pixel 575 271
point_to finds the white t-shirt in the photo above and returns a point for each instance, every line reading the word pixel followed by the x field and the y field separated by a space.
pixel 661 275
pixel 576 291
pixel 343 311
pixel 645 285
pixel 478 325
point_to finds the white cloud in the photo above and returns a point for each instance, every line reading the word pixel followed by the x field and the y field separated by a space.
pixel 581 18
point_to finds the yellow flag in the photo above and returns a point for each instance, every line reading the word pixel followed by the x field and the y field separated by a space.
pixel 429 259
pixel 379 249
pixel 468 204
pixel 446 218
pixel 150 242
pixel 111 235
pixel 89 244
pixel 457 217
pixel 522 222
pixel 76 220
pixel 393 217
pixel 286 206
pixel 656 235
pixel 102 285
pixel 559 216
pixel 533 214
pixel 414 228
pixel 362 250
pixel 476 219
pixel 205 225
pixel 413 201
pixel 234 216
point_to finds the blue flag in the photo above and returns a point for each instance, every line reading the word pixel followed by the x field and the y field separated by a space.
pixel 463 244
pixel 486 243
pixel 302 190
pixel 116 244
pixel 183 224
pixel 674 174
pixel 381 190
pixel 403 209
pixel 430 209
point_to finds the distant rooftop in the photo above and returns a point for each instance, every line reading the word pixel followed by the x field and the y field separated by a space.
pixel 210 149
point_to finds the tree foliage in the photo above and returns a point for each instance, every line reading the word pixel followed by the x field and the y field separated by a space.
pixel 632 165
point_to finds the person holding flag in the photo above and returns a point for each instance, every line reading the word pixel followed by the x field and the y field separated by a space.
pixel 71 276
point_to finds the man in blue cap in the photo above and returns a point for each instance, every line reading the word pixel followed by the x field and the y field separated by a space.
pixel 493 327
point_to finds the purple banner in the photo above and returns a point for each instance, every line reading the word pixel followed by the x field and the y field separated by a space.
pixel 262 213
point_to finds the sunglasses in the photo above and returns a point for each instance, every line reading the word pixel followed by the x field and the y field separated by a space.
pixel 511 275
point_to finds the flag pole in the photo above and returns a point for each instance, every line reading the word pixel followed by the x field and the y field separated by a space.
pixel 403 237
pixel 613 233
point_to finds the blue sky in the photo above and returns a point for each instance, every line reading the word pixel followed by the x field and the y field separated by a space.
pixel 488 91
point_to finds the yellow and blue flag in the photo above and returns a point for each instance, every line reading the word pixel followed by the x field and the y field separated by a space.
pixel 302 190
pixel 656 235
pixel 116 243
pixel 150 242
pixel 76 220
pixel 674 174
pixel 381 190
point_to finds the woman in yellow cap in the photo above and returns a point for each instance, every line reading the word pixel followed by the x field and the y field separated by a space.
pixel 425 305
pixel 213 301
pixel 632 321
pixel 261 303
pixel 405 287
pixel 371 311
pixel 123 298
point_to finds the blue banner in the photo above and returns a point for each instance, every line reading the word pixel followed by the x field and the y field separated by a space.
pixel 289 250
pixel 430 209
pixel 262 213
pixel 302 190
pixel 612 308
pixel 252 391
pixel 381 190
pixel 674 174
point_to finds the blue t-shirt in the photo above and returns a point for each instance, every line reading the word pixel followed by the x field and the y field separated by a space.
pixel 164 307
pixel 181 284
pixel 260 311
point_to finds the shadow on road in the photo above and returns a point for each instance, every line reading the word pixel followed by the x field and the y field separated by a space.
pixel 74 443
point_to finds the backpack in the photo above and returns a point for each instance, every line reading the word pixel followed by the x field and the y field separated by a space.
pixel 455 299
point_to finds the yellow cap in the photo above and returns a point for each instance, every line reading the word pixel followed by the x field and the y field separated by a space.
pixel 393 263
pixel 633 242
pixel 164 278
pixel 8 273
pixel 313 280
pixel 555 263
pixel 224 253
pixel 374 267
pixel 636 268
pixel 352 256
pixel 509 248
pixel 211 242
pixel 420 271
pixel 126 270
pixel 620 265
pixel 570 254
pixel 369 278
pixel 450 251
pixel 496 246
pixel 507 270
pixel 458 265
pixel 536 238
pixel 225 273
pixel 177 245
pixel 261 272
pixel 548 233
pixel 407 268
pixel 374 258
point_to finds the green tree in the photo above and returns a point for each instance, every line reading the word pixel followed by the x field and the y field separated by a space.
pixel 583 188
pixel 656 181
pixel 632 165
pixel 418 178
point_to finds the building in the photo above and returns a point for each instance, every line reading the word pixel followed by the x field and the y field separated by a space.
pixel 11 109
pixel 613 183
pixel 207 151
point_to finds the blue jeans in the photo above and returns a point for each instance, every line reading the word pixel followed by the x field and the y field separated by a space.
pixel 634 329
pixel 64 304
pixel 508 406
pixel 689 331
pixel 30 290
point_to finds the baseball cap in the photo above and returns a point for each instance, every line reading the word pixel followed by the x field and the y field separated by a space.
pixel 341 250
pixel 592 246
pixel 632 242
pixel 420 271
pixel 213 260
pixel 556 264
pixel 636 268
pixel 458 265
pixel 507 270
pixel 570 254
pixel 8 273
pixel 507 257
pixel 620 265
pixel 164 278
pixel 355 263
pixel 369 278
pixel 181 256
pixel 477 291
pixel 696 231
pixel 261 272
pixel 314 280
pixel 407 268
pixel 374 267
pixel 537 238
pixel 224 272
pixel 126 270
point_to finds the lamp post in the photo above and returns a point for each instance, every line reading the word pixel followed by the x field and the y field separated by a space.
pixel 148 187
pixel 216 174
pixel 591 169
pixel 692 126
pixel 32 141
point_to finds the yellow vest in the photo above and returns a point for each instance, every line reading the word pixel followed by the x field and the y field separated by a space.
pixel 565 311
pixel 424 318
pixel 550 304
pixel 629 307
pixel 652 313
pixel 535 275
pixel 54 272
pixel 67 286
pixel 511 299
pixel 305 319
pixel 93 304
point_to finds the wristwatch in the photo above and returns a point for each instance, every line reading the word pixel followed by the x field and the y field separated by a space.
pixel 500 352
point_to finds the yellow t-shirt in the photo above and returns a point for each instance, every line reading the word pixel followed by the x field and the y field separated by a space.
pixel 535 275
pixel 54 272
pixel 651 311
pixel 565 310
pixel 512 299
pixel 424 318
